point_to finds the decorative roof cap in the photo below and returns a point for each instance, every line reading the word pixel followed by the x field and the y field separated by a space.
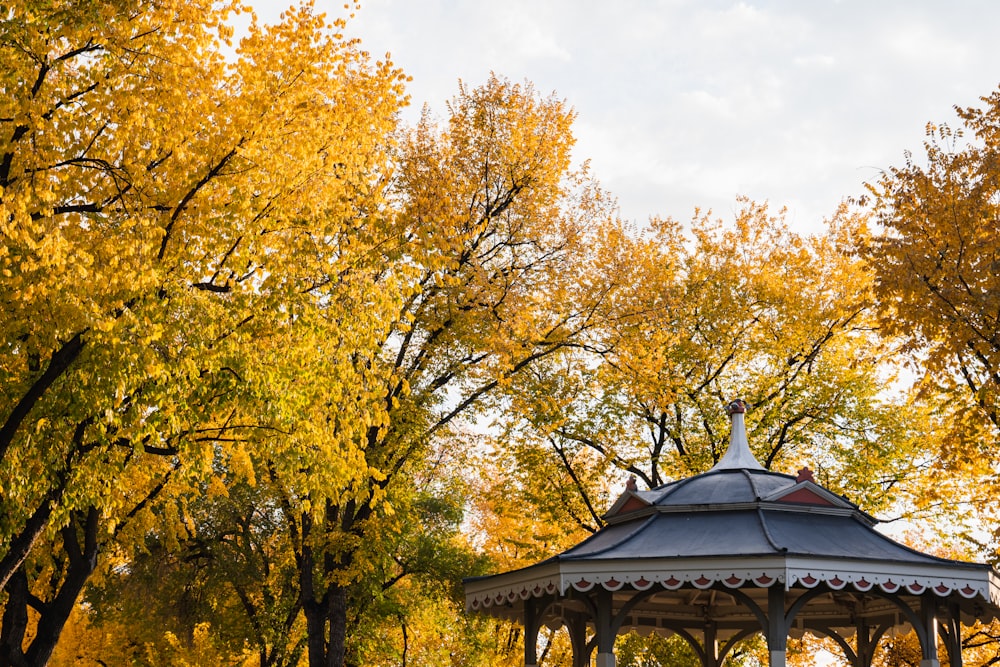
pixel 738 456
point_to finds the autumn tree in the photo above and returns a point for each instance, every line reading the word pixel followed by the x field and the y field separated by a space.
pixel 749 309
pixel 226 573
pixel 498 229
pixel 179 217
pixel 936 255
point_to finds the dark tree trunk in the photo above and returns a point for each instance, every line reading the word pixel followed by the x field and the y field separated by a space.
pixel 326 609
pixel 326 626
pixel 337 611
pixel 80 545
pixel 15 621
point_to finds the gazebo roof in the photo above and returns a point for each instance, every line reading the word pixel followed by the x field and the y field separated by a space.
pixel 738 526
pixel 741 513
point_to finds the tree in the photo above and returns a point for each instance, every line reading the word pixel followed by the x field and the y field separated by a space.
pixel 497 235
pixel 935 255
pixel 749 310
pixel 226 577
pixel 175 229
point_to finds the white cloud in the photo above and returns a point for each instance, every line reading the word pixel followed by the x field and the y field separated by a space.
pixel 686 103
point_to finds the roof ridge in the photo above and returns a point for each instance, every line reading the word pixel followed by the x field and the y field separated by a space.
pixel 633 533
pixel 674 485
pixel 767 532
pixel 753 484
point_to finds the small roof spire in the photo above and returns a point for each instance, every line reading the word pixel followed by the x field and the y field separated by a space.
pixel 738 456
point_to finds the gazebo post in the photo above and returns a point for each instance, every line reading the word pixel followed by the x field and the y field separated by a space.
pixel 604 628
pixel 777 628
pixel 711 658
pixel 865 652
pixel 928 636
pixel 531 627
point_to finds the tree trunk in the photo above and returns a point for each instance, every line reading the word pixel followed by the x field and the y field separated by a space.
pixel 80 545
pixel 337 596
pixel 326 626
pixel 15 621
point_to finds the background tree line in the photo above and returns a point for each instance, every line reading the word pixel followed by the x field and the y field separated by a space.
pixel 280 370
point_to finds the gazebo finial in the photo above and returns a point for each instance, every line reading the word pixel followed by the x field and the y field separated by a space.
pixel 738 455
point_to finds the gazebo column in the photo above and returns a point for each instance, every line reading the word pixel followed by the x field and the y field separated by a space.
pixel 777 628
pixel 863 656
pixel 531 628
pixel 604 629
pixel 928 636
pixel 711 657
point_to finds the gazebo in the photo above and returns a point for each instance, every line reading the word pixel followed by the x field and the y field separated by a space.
pixel 735 551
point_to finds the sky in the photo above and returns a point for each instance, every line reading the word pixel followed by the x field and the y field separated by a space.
pixel 693 103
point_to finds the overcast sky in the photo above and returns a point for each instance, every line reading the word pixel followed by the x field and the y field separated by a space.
pixel 685 103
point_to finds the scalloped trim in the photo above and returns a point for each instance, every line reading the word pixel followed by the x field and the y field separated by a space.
pixel 671 581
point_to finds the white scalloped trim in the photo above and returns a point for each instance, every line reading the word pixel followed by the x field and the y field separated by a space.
pixel 889 583
pixel 671 581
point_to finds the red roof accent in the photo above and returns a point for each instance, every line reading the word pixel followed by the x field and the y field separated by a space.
pixel 632 504
pixel 642 582
pixel 702 581
pixel 805 497
pixel 809 580
pixel 805 475
pixel 734 580
pixel 764 580
pixel 836 581
pixel 672 581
